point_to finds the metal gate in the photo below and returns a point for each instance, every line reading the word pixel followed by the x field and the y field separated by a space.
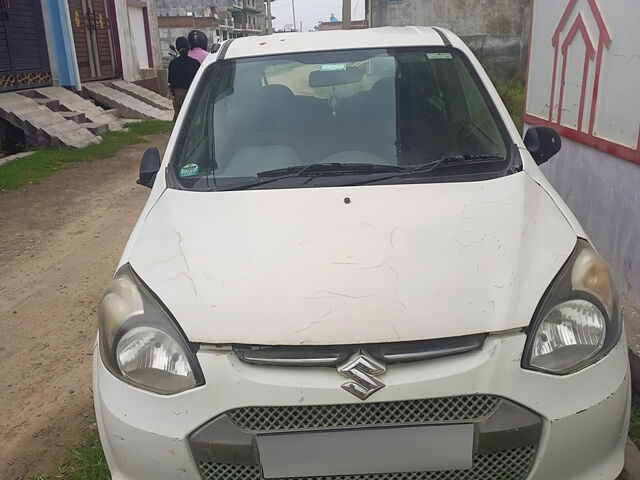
pixel 93 36
pixel 23 49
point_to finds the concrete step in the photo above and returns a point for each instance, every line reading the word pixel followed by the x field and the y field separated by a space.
pixel 43 127
pixel 51 104
pixel 142 94
pixel 74 116
pixel 113 111
pixel 129 106
pixel 99 126
pixel 75 103
pixel 96 128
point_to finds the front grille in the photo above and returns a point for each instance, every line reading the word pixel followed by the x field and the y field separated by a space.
pixel 468 408
pixel 500 457
pixel 504 465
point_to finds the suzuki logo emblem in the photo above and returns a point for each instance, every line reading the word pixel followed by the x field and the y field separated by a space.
pixel 362 369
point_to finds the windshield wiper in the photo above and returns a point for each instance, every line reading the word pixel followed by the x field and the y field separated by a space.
pixel 315 170
pixel 454 162
pixel 425 168
pixel 331 168
pixel 337 169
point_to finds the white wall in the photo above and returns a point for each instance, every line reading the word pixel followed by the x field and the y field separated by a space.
pixel 155 34
pixel 617 109
pixel 138 35
pixel 598 169
pixel 133 43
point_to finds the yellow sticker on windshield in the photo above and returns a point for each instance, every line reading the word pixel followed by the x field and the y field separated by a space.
pixel 439 56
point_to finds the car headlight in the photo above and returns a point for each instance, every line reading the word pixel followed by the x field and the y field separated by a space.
pixel 139 341
pixel 578 321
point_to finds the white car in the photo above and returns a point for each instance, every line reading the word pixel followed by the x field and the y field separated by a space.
pixel 351 268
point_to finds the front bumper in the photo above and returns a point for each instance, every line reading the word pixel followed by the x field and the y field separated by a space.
pixel 583 416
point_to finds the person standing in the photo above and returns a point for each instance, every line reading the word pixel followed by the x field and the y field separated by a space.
pixel 199 45
pixel 182 71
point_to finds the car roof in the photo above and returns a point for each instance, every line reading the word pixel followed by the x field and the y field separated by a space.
pixel 380 37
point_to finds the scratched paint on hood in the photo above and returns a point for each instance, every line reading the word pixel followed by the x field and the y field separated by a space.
pixel 396 263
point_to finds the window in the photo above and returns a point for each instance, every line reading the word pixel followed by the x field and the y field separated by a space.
pixel 399 108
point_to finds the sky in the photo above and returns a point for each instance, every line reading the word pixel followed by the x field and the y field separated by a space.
pixel 312 11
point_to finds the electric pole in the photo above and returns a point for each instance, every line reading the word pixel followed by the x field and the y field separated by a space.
pixel 269 19
pixel 293 8
pixel 346 14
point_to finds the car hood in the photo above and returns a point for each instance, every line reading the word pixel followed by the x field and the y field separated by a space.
pixel 346 265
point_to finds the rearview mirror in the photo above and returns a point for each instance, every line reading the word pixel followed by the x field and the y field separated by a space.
pixel 543 143
pixel 149 167
pixel 334 75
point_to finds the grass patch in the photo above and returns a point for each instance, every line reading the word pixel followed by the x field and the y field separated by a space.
pixel 512 94
pixel 634 425
pixel 85 462
pixel 43 163
pixel 149 127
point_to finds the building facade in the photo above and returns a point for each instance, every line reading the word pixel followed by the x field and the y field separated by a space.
pixel 218 19
pixel 584 81
pixel 23 48
pixel 68 42
pixel 497 31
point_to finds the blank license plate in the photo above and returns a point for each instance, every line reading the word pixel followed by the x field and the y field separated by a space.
pixel 378 450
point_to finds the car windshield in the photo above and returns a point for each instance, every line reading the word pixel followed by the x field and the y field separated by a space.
pixel 338 118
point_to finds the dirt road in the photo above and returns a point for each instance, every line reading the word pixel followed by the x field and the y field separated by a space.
pixel 59 244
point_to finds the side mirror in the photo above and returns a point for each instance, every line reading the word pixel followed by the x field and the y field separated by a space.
pixel 149 166
pixel 543 143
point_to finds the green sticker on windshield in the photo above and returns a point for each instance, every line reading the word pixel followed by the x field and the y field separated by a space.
pixel 439 56
pixel 189 170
